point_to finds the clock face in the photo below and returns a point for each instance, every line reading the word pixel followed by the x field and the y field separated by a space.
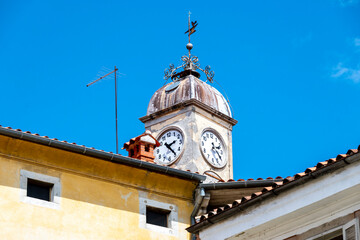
pixel 213 150
pixel 171 146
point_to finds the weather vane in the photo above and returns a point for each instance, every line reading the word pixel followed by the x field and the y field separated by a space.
pixel 190 63
pixel 191 30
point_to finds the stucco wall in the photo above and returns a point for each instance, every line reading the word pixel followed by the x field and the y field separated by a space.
pixel 98 200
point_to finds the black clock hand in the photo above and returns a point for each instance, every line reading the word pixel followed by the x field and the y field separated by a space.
pixel 168 146
pixel 172 143
pixel 213 147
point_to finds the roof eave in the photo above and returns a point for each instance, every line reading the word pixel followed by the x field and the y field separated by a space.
pixel 232 211
pixel 107 156
pixel 239 184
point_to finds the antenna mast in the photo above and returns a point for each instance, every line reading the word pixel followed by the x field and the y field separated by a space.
pixel 116 118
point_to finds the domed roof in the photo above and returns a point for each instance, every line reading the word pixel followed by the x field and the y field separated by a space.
pixel 190 87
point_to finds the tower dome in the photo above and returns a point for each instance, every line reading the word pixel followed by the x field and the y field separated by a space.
pixel 188 88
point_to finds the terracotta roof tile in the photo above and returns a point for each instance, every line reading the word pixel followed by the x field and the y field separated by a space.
pixel 236 202
pixel 256 194
pixel 321 164
pixel 245 198
pixel 288 179
pixel 211 213
pixel 309 170
pixel 340 157
pixel 219 210
pixel 352 152
pixel 299 175
pixel 266 189
pixel 227 206
pixel 277 184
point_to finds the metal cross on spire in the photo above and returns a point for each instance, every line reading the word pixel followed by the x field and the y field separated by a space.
pixel 191 30
pixel 190 63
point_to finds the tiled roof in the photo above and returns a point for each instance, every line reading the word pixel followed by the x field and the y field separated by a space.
pixel 46 137
pixel 91 151
pixel 321 166
pixel 251 179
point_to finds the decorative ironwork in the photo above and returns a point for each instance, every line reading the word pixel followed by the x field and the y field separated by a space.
pixel 169 72
pixel 189 62
pixel 209 73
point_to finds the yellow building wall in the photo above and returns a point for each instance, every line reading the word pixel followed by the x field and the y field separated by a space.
pixel 99 199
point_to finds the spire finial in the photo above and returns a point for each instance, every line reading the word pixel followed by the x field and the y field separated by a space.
pixel 191 30
pixel 190 63
pixel 189 26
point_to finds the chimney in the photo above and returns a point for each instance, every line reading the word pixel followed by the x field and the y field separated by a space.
pixel 142 147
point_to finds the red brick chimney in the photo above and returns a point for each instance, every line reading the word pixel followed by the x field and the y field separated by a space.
pixel 142 147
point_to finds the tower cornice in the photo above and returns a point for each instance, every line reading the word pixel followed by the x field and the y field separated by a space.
pixel 186 103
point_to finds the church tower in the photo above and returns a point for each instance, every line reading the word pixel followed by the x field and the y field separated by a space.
pixel 192 121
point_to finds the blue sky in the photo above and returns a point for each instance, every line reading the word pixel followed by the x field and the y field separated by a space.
pixel 291 70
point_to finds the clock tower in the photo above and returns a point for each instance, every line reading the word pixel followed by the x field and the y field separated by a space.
pixel 192 121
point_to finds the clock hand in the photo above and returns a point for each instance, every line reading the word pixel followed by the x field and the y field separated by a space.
pixel 213 147
pixel 172 143
pixel 168 146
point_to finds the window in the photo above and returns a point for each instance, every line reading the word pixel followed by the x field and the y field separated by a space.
pixel 334 235
pixel 349 231
pixel 39 189
pixel 158 216
pixel 147 148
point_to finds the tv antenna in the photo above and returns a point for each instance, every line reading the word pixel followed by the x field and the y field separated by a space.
pixel 116 119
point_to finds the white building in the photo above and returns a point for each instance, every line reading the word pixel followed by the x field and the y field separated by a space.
pixel 321 203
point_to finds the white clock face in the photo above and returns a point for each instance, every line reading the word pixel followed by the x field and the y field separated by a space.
pixel 171 146
pixel 213 150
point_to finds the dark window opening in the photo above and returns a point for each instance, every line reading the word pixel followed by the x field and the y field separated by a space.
pixel 336 235
pixel 147 148
pixel 350 232
pixel 157 216
pixel 39 190
pixel 131 152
